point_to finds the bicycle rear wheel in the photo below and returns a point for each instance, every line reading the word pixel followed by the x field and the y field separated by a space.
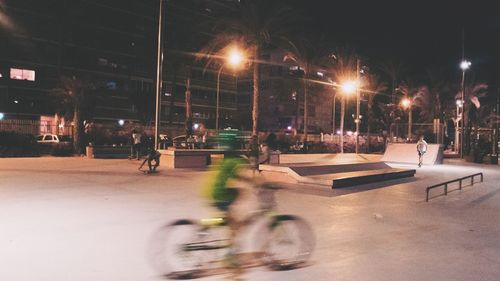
pixel 174 250
pixel 288 242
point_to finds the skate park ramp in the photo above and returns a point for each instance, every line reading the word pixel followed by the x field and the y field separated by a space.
pixel 344 172
pixel 407 153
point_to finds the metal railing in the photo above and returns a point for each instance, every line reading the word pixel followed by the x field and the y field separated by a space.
pixel 445 184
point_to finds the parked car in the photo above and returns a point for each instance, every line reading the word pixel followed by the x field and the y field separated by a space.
pixel 195 142
pixel 297 147
pixel 165 141
pixel 52 138
pixel 57 145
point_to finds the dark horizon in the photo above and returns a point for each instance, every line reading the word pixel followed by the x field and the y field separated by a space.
pixel 421 36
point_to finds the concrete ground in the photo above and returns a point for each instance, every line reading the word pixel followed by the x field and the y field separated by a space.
pixel 84 219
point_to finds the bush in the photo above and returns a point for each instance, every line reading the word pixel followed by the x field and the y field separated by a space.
pixel 62 149
pixel 13 144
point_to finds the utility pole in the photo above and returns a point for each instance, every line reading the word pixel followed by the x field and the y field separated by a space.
pixel 159 73
pixel 358 93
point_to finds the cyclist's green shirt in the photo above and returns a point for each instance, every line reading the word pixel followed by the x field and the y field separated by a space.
pixel 217 189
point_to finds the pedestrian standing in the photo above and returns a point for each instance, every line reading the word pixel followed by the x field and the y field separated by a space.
pixel 266 154
pixel 254 154
pixel 421 149
pixel 136 144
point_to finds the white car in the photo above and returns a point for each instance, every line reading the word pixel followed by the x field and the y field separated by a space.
pixel 51 138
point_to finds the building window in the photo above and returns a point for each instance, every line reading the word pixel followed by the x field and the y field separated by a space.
pixel 22 74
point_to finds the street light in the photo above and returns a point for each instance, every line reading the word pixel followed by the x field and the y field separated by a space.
pixel 464 65
pixel 406 104
pixel 159 72
pixel 234 58
pixel 348 88
pixel 460 104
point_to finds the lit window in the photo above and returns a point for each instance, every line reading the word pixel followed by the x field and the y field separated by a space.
pixel 111 85
pixel 22 74
pixel 102 61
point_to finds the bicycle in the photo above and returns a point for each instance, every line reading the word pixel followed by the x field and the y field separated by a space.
pixel 187 249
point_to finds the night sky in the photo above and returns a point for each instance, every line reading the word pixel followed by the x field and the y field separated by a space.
pixel 418 33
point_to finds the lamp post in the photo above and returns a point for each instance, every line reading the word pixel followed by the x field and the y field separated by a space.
pixel 406 104
pixel 234 58
pixel 159 72
pixel 458 139
pixel 348 88
pixel 464 65
pixel 357 120
pixel 333 113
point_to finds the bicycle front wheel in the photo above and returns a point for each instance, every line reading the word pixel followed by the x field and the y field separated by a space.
pixel 174 250
pixel 289 242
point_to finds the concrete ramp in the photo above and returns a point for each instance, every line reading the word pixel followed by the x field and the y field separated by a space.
pixel 338 175
pixel 407 153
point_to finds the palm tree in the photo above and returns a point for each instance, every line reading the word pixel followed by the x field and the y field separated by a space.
pixel 251 25
pixel 76 99
pixel 343 69
pixel 310 57
pixel 5 21
pixel 394 70
pixel 418 98
pixel 473 112
pixel 374 87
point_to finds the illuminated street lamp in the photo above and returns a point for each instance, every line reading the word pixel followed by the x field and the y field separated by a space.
pixel 464 65
pixel 348 88
pixel 234 58
pixel 406 104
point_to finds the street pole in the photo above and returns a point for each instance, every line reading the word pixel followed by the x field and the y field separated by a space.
pixel 457 130
pixel 463 116
pixel 342 115
pixel 333 114
pixel 217 102
pixel 357 120
pixel 409 122
pixel 159 70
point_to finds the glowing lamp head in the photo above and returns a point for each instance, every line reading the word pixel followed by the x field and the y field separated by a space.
pixel 235 57
pixel 460 103
pixel 2 115
pixel 121 122
pixel 349 87
pixel 464 65
pixel 405 103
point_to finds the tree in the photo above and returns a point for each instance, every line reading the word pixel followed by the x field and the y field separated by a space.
pixel 474 115
pixel 5 21
pixel 252 25
pixel 374 86
pixel 344 69
pixel 394 70
pixel 418 99
pixel 76 98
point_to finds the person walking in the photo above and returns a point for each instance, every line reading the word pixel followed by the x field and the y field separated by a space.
pixel 421 149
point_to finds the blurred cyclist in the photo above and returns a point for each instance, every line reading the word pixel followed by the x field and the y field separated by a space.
pixel 219 191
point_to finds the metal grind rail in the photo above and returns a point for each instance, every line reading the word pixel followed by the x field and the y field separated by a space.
pixel 445 184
